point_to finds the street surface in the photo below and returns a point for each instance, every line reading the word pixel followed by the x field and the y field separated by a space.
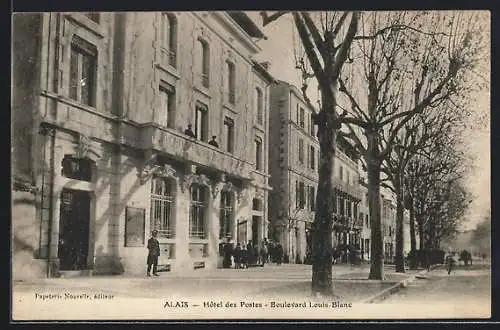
pixel 466 291
pixel 350 282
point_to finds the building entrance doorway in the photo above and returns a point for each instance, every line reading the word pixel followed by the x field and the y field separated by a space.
pixel 256 222
pixel 74 222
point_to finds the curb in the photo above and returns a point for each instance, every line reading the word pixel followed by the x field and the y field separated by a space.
pixel 395 288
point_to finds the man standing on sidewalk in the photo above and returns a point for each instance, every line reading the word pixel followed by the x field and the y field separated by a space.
pixel 154 253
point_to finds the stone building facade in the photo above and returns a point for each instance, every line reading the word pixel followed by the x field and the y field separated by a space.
pixel 294 161
pixel 112 158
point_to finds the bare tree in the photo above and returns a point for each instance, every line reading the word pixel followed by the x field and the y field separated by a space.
pixel 404 72
pixel 326 48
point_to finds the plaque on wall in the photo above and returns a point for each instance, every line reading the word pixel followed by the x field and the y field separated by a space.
pixel 135 226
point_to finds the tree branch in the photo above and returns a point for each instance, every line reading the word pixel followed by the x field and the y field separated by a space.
pixel 309 49
pixel 399 27
pixel 345 46
pixel 266 19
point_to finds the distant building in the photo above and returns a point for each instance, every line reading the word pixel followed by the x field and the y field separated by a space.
pixel 293 161
pixel 101 106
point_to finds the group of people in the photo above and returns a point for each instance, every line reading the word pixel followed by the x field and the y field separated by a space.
pixel 189 132
pixel 242 255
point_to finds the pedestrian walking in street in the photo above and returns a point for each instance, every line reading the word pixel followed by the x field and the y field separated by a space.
pixel 450 262
pixel 237 256
pixel 153 254
pixel 279 254
pixel 251 253
pixel 244 257
pixel 263 251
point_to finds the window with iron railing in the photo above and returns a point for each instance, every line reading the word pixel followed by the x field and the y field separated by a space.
pixel 199 211
pixel 226 215
pixel 162 207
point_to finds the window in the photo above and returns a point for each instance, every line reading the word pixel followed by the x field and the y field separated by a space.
pixel 256 204
pixel 82 71
pixel 312 199
pixel 362 218
pixel 355 210
pixel 204 62
pixel 297 194
pixel 231 82
pixel 367 221
pixel 341 173
pixel 342 206
pixel 199 212
pixel 201 122
pixel 349 208
pixel 335 202
pixel 301 151
pixel 302 194
pixel 93 16
pixel 169 37
pixel 226 215
pixel 312 124
pixel 258 153
pixel 229 131
pixel 77 168
pixel 162 207
pixel 302 117
pixel 259 106
pixel 167 105
pixel 312 158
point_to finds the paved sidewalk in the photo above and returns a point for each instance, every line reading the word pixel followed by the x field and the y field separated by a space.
pixel 288 280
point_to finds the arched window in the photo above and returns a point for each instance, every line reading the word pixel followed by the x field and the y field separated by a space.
pixel 169 37
pixel 231 82
pixel 199 211
pixel 259 106
pixel 204 62
pixel 163 206
pixel 226 214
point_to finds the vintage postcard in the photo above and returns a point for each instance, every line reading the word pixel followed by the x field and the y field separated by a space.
pixel 250 165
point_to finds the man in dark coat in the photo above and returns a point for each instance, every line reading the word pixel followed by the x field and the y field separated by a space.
pixel 154 253
pixel 251 253
pixel 279 254
pixel 237 256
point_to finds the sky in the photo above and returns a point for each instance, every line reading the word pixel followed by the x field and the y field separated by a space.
pixel 279 50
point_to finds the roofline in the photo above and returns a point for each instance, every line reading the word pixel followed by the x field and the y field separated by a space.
pixel 260 69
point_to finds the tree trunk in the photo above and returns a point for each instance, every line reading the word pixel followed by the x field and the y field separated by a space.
pixel 377 246
pixel 323 220
pixel 400 258
pixel 413 238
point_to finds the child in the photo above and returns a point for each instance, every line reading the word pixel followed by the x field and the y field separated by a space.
pixel 154 253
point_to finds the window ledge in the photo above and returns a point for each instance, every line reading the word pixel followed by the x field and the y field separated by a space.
pixel 203 90
pixel 169 70
pixel 87 23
